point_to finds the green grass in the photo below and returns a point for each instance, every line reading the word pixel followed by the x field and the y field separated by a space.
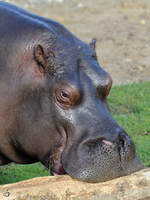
pixel 13 173
pixel 130 106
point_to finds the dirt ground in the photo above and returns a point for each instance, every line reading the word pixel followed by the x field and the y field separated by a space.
pixel 122 29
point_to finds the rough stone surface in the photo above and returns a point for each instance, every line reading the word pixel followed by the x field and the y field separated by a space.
pixel 133 187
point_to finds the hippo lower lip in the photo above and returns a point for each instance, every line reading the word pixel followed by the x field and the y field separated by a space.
pixel 57 168
pixel 60 171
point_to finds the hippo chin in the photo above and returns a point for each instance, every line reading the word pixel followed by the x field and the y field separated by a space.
pixel 53 102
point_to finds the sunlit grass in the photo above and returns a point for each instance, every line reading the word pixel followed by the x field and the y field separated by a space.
pixel 130 106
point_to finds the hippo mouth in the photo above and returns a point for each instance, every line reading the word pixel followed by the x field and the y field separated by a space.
pixel 56 166
pixel 55 161
pixel 102 161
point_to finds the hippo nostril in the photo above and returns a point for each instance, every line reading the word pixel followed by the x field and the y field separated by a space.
pixel 123 139
pixel 126 148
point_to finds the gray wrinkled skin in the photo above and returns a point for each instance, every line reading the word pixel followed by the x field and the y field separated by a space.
pixel 53 102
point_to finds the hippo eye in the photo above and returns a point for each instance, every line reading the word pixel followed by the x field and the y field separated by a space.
pixel 66 96
pixel 63 98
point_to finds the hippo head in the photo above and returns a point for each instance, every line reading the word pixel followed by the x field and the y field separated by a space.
pixel 91 146
pixel 62 117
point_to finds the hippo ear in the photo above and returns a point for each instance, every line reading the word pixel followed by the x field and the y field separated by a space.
pixel 40 58
pixel 93 44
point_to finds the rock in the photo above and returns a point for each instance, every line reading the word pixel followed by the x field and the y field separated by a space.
pixel 133 187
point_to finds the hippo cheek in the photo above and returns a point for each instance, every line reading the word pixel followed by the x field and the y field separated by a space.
pixel 101 161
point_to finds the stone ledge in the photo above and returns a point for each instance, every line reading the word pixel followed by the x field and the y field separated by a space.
pixel 132 187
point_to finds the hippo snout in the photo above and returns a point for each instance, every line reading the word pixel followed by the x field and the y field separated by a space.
pixel 103 159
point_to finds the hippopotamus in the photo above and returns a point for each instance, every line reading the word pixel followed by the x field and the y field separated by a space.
pixel 53 102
